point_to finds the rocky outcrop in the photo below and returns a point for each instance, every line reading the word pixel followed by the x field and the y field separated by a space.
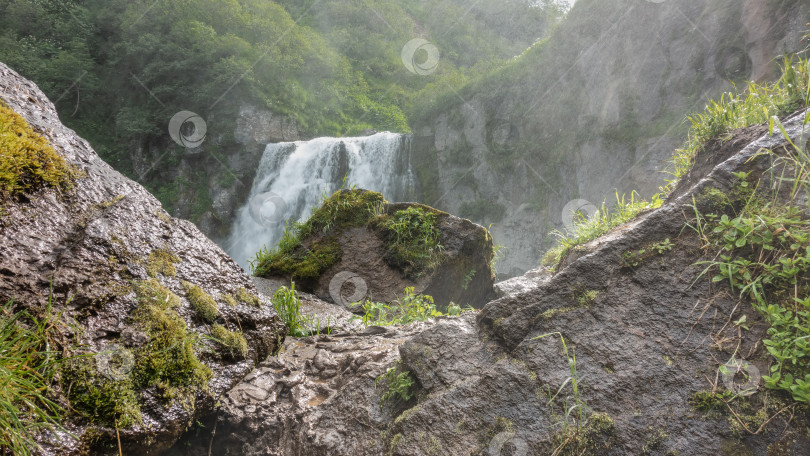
pixel 644 342
pixel 111 262
pixel 349 251
pixel 595 109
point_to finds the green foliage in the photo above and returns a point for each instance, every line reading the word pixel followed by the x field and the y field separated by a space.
pixel 413 241
pixel 399 384
pixel 168 360
pixel 201 302
pixel 756 105
pixel 228 299
pixel 28 161
pixel 161 261
pixel 586 230
pixel 288 307
pixel 27 369
pixel 232 341
pixel 405 310
pixel 634 258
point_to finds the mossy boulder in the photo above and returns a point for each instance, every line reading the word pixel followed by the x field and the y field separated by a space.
pixel 153 320
pixel 358 246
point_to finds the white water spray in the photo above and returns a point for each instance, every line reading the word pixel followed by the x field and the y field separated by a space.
pixel 292 177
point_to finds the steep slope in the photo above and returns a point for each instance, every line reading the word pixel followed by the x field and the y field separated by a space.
pixel 645 342
pixel 151 320
pixel 594 109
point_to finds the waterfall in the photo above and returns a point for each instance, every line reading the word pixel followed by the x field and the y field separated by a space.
pixel 293 176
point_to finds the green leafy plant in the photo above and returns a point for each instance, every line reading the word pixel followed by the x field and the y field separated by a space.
pixel 399 384
pixel 288 306
pixel 405 310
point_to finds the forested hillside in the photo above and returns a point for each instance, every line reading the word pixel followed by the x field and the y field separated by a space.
pixel 118 70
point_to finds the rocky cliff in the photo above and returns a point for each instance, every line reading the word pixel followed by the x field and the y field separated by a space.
pixel 596 108
pixel 152 320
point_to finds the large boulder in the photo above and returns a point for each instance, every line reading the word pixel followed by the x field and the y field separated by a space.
pixel 137 298
pixel 358 246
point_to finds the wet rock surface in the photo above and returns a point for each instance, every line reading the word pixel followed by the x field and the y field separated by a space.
pixel 91 244
pixel 645 338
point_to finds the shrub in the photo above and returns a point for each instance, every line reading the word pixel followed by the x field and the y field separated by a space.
pixel 288 307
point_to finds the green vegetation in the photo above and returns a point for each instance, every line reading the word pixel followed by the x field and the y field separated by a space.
pixel 633 258
pixel 586 230
pixel 228 299
pixel 161 261
pixel 27 369
pixel 308 249
pixel 763 246
pixel 757 104
pixel 576 432
pixel 28 162
pixel 101 399
pixel 248 298
pixel 413 240
pixel 399 384
pixel 232 341
pixel 201 302
pixel 167 361
pixel 288 307
pixel 405 310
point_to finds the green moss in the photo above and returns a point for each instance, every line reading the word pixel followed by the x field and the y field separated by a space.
pixel 29 162
pixel 412 236
pixel 167 361
pixel 709 402
pixel 655 440
pixel 302 263
pixel 100 399
pixel 344 209
pixel 232 341
pixel 228 299
pixel 201 302
pixel 248 298
pixel 161 261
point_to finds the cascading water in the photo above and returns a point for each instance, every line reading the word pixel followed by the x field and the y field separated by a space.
pixel 292 177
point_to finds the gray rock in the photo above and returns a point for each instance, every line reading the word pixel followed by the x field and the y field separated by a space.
pixel 90 244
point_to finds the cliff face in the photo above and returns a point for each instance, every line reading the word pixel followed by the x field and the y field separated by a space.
pixel 154 320
pixel 597 108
